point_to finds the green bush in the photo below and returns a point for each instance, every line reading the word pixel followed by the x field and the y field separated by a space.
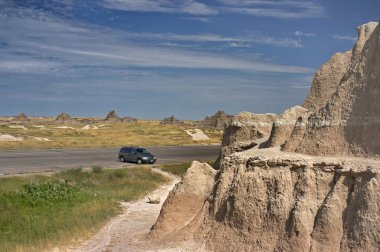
pixel 39 213
pixel 45 192
pixel 97 169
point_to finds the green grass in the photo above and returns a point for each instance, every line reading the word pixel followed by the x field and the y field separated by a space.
pixel 42 212
pixel 143 133
pixel 176 169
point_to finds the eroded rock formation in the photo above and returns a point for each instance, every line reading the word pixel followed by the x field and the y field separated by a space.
pixel 171 121
pixel 283 127
pixel 186 199
pixel 21 118
pixel 271 200
pixel 112 117
pixel 63 118
pixel 349 122
pixel 245 131
pixel 129 119
pixel 266 200
pixel 326 80
pixel 217 121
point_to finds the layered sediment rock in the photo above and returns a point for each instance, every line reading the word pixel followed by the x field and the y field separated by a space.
pixel 217 121
pixel 283 127
pixel 349 122
pixel 185 200
pixel 112 117
pixel 326 80
pixel 171 121
pixel 63 118
pixel 271 200
pixel 21 118
pixel 245 131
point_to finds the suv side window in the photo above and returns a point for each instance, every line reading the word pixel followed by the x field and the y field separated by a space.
pixel 128 150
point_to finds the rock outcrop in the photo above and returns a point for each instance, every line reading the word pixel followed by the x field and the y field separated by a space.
pixel 272 200
pixel 217 121
pixel 326 80
pixel 349 122
pixel 245 131
pixel 283 127
pixel 21 118
pixel 112 117
pixel 266 200
pixel 186 199
pixel 63 118
pixel 171 121
pixel 129 119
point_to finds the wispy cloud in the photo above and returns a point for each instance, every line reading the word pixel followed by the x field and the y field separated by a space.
pixel 304 34
pixel 344 37
pixel 53 44
pixel 165 6
pixel 56 63
pixel 275 8
pixel 271 8
pixel 215 38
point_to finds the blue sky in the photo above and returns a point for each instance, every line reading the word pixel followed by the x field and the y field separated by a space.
pixel 152 59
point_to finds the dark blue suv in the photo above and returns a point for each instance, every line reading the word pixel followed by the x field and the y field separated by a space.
pixel 137 155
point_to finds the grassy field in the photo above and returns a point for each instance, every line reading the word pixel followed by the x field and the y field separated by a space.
pixel 142 133
pixel 43 212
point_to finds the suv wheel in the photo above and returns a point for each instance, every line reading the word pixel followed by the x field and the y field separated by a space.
pixel 139 161
pixel 122 159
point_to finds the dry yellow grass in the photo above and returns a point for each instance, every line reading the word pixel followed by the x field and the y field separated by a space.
pixel 143 132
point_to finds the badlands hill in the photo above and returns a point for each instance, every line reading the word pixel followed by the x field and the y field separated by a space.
pixel 349 122
pixel 269 196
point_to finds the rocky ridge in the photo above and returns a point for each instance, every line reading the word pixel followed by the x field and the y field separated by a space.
pixel 21 118
pixel 171 121
pixel 283 127
pixel 348 123
pixel 244 131
pixel 272 200
pixel 63 118
pixel 112 117
pixel 217 121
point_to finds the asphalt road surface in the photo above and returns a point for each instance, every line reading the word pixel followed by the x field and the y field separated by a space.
pixel 31 161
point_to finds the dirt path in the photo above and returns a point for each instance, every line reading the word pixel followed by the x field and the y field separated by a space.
pixel 121 233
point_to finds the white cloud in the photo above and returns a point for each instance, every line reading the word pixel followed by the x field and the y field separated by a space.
pixel 304 34
pixel 343 37
pixel 201 38
pixel 238 45
pixel 164 6
pixel 52 44
pixel 276 9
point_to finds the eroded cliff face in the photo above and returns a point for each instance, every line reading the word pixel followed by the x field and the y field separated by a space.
pixel 326 80
pixel 273 200
pixel 244 132
pixel 185 200
pixel 283 126
pixel 349 122
pixel 266 200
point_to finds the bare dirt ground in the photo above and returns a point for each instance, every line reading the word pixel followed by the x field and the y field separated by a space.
pixel 125 232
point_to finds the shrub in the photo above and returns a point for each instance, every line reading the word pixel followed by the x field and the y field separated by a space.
pixel 97 169
pixel 45 192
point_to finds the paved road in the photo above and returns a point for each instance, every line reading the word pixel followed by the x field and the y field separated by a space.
pixel 13 162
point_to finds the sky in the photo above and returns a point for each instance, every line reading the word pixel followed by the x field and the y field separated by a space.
pixel 155 58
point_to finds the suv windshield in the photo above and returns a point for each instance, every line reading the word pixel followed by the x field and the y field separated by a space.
pixel 142 151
